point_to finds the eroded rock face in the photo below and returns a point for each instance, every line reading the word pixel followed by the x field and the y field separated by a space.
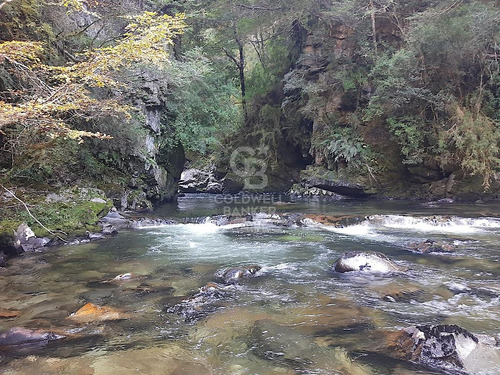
pixel 371 262
pixel 193 181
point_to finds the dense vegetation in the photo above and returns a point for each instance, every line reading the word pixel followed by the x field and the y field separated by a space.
pixel 366 92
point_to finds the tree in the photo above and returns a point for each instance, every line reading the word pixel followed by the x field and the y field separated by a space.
pixel 46 100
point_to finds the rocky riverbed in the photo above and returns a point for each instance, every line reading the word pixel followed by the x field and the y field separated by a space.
pixel 281 293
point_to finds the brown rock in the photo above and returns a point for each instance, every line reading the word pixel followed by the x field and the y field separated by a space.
pixel 431 246
pixel 6 313
pixel 336 221
pixel 94 313
pixel 397 292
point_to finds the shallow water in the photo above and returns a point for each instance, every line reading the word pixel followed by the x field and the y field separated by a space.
pixel 297 316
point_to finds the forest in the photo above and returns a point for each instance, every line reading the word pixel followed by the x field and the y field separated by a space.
pixel 385 99
pixel 394 98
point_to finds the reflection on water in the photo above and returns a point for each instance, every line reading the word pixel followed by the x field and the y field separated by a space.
pixel 296 316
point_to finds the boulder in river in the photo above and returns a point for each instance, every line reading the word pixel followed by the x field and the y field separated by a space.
pixel 235 274
pixel 371 262
pixel 447 348
pixel 113 222
pixel 193 180
pixel 25 239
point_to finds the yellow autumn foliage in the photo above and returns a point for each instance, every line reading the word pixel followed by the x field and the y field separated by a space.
pixel 52 96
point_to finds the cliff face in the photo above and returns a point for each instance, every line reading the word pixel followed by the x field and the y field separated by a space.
pixel 141 165
pixel 142 149
pixel 327 93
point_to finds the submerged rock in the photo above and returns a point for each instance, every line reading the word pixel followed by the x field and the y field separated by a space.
pixel 94 313
pixel 124 277
pixel 448 348
pixel 165 360
pixel 234 275
pixel 22 336
pixel 371 262
pixel 279 343
pixel 206 301
pixel 431 246
pixel 8 313
pixel 403 294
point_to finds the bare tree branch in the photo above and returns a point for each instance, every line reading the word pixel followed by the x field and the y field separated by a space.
pixel 255 7
pixel 29 213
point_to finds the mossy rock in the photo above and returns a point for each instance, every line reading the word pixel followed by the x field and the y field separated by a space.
pixel 69 213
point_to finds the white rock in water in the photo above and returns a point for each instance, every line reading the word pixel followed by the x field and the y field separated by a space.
pixel 123 276
pixel 366 262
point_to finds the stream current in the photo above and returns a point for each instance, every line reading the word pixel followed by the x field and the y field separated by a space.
pixel 295 316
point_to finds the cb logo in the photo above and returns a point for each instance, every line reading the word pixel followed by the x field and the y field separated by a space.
pixel 245 163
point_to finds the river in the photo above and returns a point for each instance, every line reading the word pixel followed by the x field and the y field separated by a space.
pixel 294 316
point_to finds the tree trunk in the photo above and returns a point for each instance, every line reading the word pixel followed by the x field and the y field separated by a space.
pixel 374 26
pixel 241 68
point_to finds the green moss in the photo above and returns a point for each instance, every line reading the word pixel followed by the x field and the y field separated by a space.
pixel 7 229
pixel 76 212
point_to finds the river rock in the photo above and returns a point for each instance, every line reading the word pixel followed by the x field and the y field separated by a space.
pixel 7 313
pixel 329 220
pixel 21 336
pixel 166 359
pixel 279 343
pixel 431 246
pixel 206 301
pixel 93 313
pixel 234 275
pixel 25 239
pixel 447 348
pixel 403 296
pixel 371 262
pixel 113 222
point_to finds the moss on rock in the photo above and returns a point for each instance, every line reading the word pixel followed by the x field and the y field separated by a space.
pixel 68 213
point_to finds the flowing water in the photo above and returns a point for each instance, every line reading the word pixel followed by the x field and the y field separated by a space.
pixel 296 316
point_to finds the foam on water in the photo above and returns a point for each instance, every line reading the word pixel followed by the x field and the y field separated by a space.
pixel 364 230
pixel 436 224
pixel 202 229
